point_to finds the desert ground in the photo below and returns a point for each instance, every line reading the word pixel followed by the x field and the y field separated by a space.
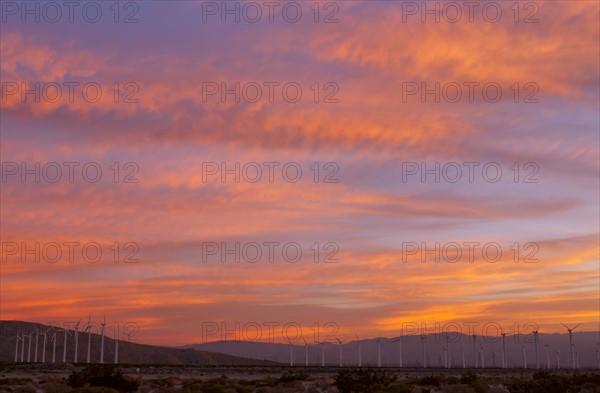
pixel 44 378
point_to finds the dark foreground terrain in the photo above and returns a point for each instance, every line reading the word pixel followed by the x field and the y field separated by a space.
pixel 32 378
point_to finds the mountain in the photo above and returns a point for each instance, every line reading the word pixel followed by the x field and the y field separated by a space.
pixel 129 352
pixel 585 345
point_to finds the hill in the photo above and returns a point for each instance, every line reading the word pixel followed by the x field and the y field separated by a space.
pixel 128 352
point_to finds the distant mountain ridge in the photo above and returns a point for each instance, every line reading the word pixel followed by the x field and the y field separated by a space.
pixel 586 347
pixel 128 352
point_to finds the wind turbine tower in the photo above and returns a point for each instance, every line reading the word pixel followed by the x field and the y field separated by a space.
pixel 54 347
pixel 88 329
pixel 65 346
pixel 359 352
pixel 322 353
pixel 29 348
pixel 103 333
pixel 117 344
pixel 570 330
pixel 22 347
pixel 291 353
pixel 35 351
pixel 76 341
pixel 44 345
pixel 475 350
pixel 341 355
pixel 399 339
pixel 504 365
pixel 423 342
pixel 305 352
pixel 17 338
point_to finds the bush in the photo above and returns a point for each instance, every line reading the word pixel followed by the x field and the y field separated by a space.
pixel 479 387
pixel 433 380
pixel 363 380
pixel 291 376
pixel 102 376
pixel 546 382
pixel 468 377
pixel 398 387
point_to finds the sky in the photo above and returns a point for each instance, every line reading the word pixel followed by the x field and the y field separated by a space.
pixel 202 170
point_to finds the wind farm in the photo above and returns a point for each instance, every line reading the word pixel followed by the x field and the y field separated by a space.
pixel 401 358
pixel 404 351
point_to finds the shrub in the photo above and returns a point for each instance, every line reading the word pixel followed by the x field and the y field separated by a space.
pixel 468 377
pixel 291 376
pixel 102 376
pixel 363 380
pixel 546 382
pixel 433 380
pixel 398 387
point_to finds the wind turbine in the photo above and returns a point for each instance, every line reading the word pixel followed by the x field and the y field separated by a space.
pixel 322 353
pixel 103 332
pixel 291 353
pixel 524 356
pixel 29 348
pixel 504 365
pixel 475 350
pixel 570 330
pixel 399 339
pixel 35 351
pixel 359 352
pixel 117 344
pixel 44 346
pixel 341 355
pixel 305 352
pixel 76 341
pixel 17 339
pixel 537 355
pixel 481 352
pixel 558 360
pixel 88 329
pixel 22 347
pixel 548 355
pixel 446 352
pixel 65 346
pixel 378 352
pixel 464 357
pixel 54 339
pixel 423 342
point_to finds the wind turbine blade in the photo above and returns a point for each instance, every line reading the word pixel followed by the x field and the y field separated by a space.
pixel 564 325
pixel 576 326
